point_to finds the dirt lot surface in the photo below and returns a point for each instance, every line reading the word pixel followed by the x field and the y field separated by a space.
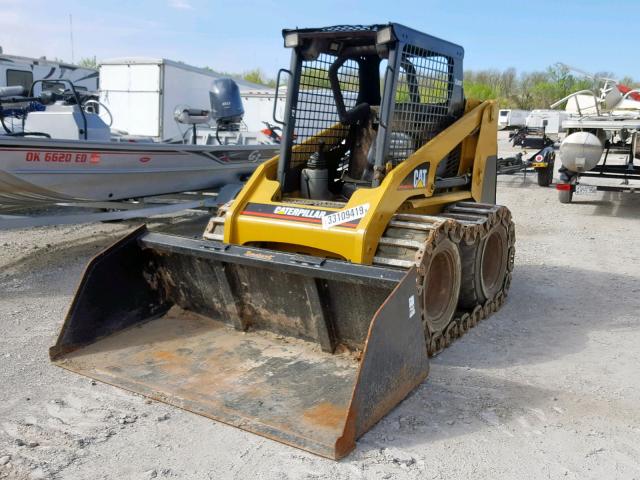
pixel 546 388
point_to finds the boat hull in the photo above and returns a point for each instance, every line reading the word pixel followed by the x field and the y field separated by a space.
pixel 37 171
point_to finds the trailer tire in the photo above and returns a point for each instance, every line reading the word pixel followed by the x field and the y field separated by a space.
pixel 545 175
pixel 565 196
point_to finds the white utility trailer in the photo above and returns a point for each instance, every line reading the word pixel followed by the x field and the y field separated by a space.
pixel 142 94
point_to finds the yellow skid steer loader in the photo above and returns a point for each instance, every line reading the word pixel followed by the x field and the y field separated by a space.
pixel 311 304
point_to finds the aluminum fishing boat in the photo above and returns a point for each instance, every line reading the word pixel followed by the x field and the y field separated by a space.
pixel 66 152
pixel 39 171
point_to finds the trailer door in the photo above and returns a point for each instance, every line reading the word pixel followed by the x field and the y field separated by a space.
pixel 132 94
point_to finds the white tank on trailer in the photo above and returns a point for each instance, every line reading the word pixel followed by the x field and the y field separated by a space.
pixel 581 151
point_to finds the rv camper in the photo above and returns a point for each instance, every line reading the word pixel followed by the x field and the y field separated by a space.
pixel 550 120
pixel 18 71
pixel 509 118
pixel 23 71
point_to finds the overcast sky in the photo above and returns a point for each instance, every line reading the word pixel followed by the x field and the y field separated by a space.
pixel 236 36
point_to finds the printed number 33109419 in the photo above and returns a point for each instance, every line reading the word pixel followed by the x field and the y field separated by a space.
pixel 345 216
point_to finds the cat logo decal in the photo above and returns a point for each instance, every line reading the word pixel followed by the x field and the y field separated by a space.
pixel 418 178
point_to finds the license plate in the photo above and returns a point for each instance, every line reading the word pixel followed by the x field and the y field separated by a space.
pixel 585 189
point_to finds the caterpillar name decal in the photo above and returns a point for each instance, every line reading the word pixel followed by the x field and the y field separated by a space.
pixel 343 218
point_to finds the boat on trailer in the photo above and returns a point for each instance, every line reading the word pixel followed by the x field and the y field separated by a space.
pixel 68 153
pixel 38 171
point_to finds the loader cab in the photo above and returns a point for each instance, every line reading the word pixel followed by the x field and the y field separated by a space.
pixel 361 99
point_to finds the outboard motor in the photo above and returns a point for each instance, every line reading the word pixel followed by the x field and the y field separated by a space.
pixel 226 109
pixel 226 104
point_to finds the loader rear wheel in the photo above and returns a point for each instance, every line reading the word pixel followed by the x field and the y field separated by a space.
pixel 484 266
pixel 441 286
pixel 478 239
pixel 495 256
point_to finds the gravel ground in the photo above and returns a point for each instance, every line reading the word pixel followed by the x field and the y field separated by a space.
pixel 546 388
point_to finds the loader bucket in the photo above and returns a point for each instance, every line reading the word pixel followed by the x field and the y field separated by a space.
pixel 306 351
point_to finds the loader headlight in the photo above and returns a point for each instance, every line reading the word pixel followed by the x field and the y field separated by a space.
pixel 384 36
pixel 291 40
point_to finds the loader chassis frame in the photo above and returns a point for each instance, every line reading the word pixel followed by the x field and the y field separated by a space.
pixel 445 143
pixel 475 132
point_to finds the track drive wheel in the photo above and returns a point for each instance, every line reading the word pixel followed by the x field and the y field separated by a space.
pixel 484 267
pixel 441 286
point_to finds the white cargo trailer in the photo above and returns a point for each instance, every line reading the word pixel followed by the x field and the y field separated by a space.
pixel 142 94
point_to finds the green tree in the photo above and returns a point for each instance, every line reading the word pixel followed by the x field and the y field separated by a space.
pixel 88 62
pixel 479 90
pixel 257 76
pixel 527 90
pixel 629 82
pixel 313 77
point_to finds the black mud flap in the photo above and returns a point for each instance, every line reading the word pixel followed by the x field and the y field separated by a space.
pixel 306 351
